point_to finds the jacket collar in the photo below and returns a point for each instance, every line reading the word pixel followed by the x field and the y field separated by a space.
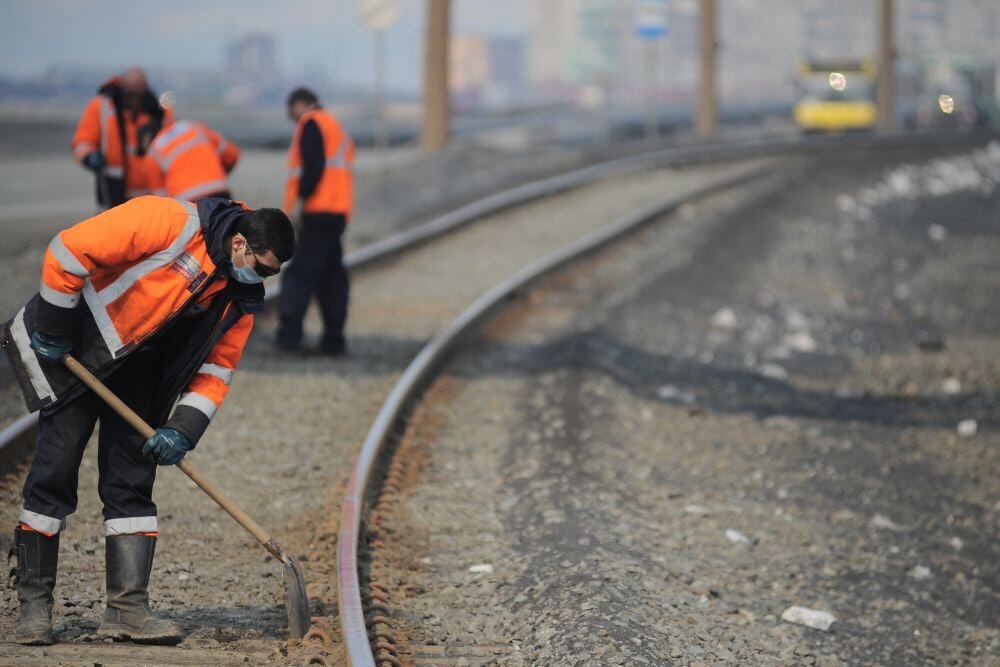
pixel 218 221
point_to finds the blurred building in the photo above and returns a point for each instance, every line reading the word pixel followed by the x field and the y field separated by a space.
pixel 251 58
pixel 553 35
pixel 487 71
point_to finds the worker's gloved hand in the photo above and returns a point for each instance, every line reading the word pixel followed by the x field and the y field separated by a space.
pixel 53 348
pixel 93 161
pixel 167 447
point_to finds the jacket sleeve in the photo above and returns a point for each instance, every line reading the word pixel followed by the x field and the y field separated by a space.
pixel 204 396
pixel 313 159
pixel 124 234
pixel 229 153
pixel 87 138
pixel 155 178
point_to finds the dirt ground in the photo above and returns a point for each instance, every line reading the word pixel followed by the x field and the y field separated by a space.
pixel 787 398
pixel 284 442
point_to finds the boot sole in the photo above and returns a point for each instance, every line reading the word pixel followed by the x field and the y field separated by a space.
pixel 35 640
pixel 127 635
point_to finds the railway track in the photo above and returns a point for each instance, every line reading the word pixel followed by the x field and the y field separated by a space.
pixel 638 179
pixel 376 480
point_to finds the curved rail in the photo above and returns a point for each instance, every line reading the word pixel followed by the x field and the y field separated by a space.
pixel 423 367
pixel 434 353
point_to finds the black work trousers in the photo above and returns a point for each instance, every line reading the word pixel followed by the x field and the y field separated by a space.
pixel 318 270
pixel 125 476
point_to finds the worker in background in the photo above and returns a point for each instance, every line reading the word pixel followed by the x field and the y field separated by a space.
pixel 113 133
pixel 319 180
pixel 156 297
pixel 189 160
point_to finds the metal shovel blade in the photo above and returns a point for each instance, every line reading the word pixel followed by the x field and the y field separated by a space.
pixel 296 599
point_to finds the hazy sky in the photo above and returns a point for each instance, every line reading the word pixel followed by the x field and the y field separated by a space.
pixel 193 33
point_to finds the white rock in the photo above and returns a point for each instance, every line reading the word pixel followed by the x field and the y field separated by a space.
pixel 482 568
pixel 811 618
pixel 724 318
pixel 968 428
pixel 736 537
pixel 800 341
pixel 845 203
pixel 774 372
pixel 796 320
pixel 668 392
pixel 956 543
pixel 937 233
pixel 697 509
pixel 885 523
pixel 920 572
pixel 951 386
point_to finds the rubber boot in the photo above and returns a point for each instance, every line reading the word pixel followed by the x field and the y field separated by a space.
pixel 35 578
pixel 129 560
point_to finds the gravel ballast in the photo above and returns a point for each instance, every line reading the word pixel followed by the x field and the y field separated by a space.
pixel 762 432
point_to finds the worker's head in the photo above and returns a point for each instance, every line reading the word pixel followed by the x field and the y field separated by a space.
pixel 300 101
pixel 262 241
pixel 134 87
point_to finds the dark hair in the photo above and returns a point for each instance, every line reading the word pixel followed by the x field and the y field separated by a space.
pixel 268 229
pixel 302 95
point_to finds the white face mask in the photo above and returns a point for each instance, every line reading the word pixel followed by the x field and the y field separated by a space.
pixel 243 274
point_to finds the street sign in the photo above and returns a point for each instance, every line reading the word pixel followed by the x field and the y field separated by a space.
pixel 379 14
pixel 650 18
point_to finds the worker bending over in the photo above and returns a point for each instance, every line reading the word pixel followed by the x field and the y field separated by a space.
pixel 156 297
pixel 189 160
pixel 113 133
pixel 319 177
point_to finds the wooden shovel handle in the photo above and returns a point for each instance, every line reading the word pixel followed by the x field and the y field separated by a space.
pixel 187 467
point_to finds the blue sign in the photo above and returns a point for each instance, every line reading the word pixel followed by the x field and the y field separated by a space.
pixel 651 19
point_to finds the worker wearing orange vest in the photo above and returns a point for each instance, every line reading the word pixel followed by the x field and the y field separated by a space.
pixel 156 297
pixel 319 180
pixel 189 160
pixel 113 133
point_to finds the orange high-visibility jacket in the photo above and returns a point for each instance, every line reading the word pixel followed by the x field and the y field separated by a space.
pixel 99 129
pixel 190 160
pixel 334 192
pixel 133 272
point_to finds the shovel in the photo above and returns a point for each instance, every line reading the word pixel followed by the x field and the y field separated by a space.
pixel 296 600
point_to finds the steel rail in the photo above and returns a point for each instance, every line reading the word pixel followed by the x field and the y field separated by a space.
pixel 435 352
pixel 16 435
pixel 423 368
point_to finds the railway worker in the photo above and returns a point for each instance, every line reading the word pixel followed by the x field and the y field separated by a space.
pixel 156 296
pixel 319 180
pixel 116 126
pixel 189 160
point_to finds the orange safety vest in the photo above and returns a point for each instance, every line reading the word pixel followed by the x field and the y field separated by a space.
pixel 98 129
pixel 134 267
pixel 189 160
pixel 334 192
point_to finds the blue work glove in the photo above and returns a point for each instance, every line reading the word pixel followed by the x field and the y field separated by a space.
pixel 50 347
pixel 167 447
pixel 93 161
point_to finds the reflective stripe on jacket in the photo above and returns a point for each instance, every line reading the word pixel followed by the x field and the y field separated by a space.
pixel 334 192
pixel 98 129
pixel 130 274
pixel 190 160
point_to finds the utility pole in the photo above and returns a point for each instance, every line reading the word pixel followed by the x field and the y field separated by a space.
pixel 886 66
pixel 705 121
pixel 437 106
